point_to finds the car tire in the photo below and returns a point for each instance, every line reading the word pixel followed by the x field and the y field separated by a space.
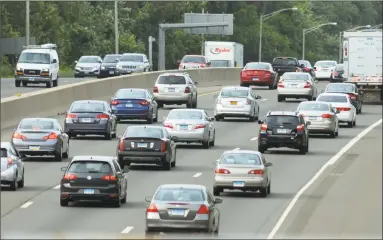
pixel 269 188
pixel 350 124
pixel 66 153
pixel 108 136
pixel 252 119
pixel 195 103
pixel 309 98
pixel 160 105
pixel 271 86
pixel 64 202
pixel 360 110
pixel 173 164
pixel 116 203
pixel 123 200
pixel 166 165
pixel 280 98
pixel 217 118
pixel 13 186
pixel 24 84
pixel 48 84
pixel 262 149
pixel 55 83
pixel 17 83
pixel 333 134
pixel 354 123
pixel 263 192
pixel 20 183
pixel 59 156
pixel 150 119
pixel 189 105
pixel 212 143
pixel 206 144
pixel 217 191
pixel 156 118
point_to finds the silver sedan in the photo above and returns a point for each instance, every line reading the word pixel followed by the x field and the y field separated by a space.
pixel 12 167
pixel 191 126
pixel 297 85
pixel 242 170
pixel 322 117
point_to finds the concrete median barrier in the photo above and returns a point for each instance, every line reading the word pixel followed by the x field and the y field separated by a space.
pixel 49 102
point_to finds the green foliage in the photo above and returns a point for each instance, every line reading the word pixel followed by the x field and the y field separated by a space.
pixel 87 28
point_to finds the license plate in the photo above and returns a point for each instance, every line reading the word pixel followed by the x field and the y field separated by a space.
pixel 325 70
pixel 171 89
pixel 86 120
pixel 88 191
pixel 142 145
pixel 177 212
pixel 293 85
pixel 238 184
pixel 31 79
pixel 233 103
pixel 255 79
pixel 111 72
pixel 129 105
pixel 312 118
pixel 86 72
pixel 184 127
pixel 282 130
pixel 34 148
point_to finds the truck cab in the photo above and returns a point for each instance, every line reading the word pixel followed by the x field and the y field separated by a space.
pixel 286 64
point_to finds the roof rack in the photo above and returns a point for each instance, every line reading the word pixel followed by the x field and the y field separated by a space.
pixel 43 46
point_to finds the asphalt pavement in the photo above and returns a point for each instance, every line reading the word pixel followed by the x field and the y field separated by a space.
pixel 34 211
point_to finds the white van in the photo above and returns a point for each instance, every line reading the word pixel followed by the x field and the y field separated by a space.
pixel 38 64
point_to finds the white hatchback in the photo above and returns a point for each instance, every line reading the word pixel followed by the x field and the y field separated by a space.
pixel 324 69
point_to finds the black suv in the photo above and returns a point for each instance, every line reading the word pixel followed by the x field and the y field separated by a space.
pixel 283 129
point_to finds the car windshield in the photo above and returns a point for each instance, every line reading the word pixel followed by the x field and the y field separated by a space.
pixel 185 115
pixel 240 159
pixel 90 167
pixel 193 59
pixel 127 93
pixel 233 93
pixel 313 107
pixel 87 107
pixel 4 152
pixel 111 58
pixel 132 58
pixel 36 124
pixel 281 120
pixel 171 80
pixel 344 88
pixel 339 67
pixel 88 60
pixel 332 98
pixel 325 64
pixel 295 77
pixel 305 63
pixel 148 132
pixel 28 57
pixel 220 63
pixel 257 66
pixel 285 61
pixel 179 195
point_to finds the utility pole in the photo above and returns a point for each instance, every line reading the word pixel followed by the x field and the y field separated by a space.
pixel 340 48
pixel 151 40
pixel 27 22
pixel 116 33
pixel 202 38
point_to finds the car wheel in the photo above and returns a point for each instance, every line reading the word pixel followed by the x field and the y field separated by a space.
pixel 195 103
pixel 55 83
pixel 156 118
pixel 64 202
pixel 360 110
pixel 262 149
pixel 66 153
pixel 251 118
pixel 354 122
pixel 108 136
pixel 166 165
pixel 150 119
pixel 20 183
pixel 212 143
pixel 116 203
pixel 17 83
pixel 309 98
pixel 59 155
pixel 263 192
pixel 13 185
pixel 271 86
pixel 217 118
pixel 173 164
pixel 350 124
pixel 217 191
pixel 206 144
pixel 280 98
pixel 333 134
pixel 48 84
pixel 189 105
pixel 269 188
pixel 160 105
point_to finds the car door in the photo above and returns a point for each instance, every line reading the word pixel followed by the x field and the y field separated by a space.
pixel 358 97
pixel 192 87
pixel 152 102
pixel 333 111
pixel 213 208
pixel 112 116
pixel 313 86
pixel 302 121
pixel 64 137
pixel 211 124
pixel 120 176
pixel 266 167
pixel 19 162
pixel 253 99
pixel 172 144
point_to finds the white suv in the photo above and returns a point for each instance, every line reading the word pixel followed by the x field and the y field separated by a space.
pixel 38 64
pixel 175 88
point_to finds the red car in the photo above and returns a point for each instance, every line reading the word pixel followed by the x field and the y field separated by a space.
pixel 193 61
pixel 259 74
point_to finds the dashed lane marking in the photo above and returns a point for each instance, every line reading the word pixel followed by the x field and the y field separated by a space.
pixel 197 174
pixel 27 204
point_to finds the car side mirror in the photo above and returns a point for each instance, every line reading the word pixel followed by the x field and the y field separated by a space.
pixel 75 62
pixel 195 83
pixel 99 61
pixel 258 97
pixel 260 121
pixel 148 199
pixel 308 123
pixel 208 64
pixel 146 61
pixel 218 200
pixel 216 161
pixel 302 65
pixel 215 96
pixel 316 81
pixel 54 61
pixel 174 138
pixel 63 169
pixel 269 164
pixel 211 119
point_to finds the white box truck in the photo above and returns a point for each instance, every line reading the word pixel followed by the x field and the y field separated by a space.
pixel 362 62
pixel 224 54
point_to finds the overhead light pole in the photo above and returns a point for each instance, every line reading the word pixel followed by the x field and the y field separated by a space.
pixel 264 17
pixel 308 30
pixel 341 37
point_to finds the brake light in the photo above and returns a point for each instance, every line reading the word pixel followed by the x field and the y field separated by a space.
pixel 352 96
pixel 263 128
pixel 248 102
pixel 155 89
pixel 9 162
pixel 198 126
pixel 115 102
pixel 71 115
pixel 203 210
pixel 344 109
pixel 163 147
pixel 307 85
pixel 280 84
pixel 300 127
pixel 18 135
pixel 256 172
pixel 51 136
pixel 306 69
pixel 168 125
pixel 335 74
pixel 144 103
pixel 297 70
pixel 222 171
pixel 102 116
pixel 152 208
pixel 326 115
pixel 109 178
pixel 243 74
pixel 121 146
pixel 187 90
pixel 70 176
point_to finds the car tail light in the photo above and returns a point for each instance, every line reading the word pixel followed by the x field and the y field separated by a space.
pixel 121 146
pixel 102 116
pixel 300 127
pixel 248 102
pixel 70 176
pixel 307 85
pixel 51 136
pixel 203 209
pixel 256 172
pixel 168 125
pixel 222 171
pixel 115 102
pixel 163 147
pixel 344 109
pixel 198 126
pixel 281 85
pixel 297 70
pixel 144 103
pixel 18 135
pixel 326 115
pixel 263 128
pixel 71 115
pixel 155 89
pixel 306 69
pixel 243 74
pixel 315 69
pixel 187 90
pixel 352 96
pixel 152 208
pixel 109 178
pixel 335 74
pixel 9 162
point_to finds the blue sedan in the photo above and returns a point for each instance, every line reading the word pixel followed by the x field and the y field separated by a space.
pixel 134 104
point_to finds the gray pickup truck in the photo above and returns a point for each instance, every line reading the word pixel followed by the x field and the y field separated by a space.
pixel 286 64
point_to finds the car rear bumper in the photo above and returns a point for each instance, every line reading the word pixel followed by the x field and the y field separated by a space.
pixel 169 99
pixel 232 112
pixel 178 224
pixel 33 79
pixel 321 126
pixel 281 141
pixel 8 175
pixel 109 72
pixel 81 128
pixel 189 136
pixel 261 81
pixel 74 193
pixel 126 114
pixel 141 156
pixel 83 73
pixel 344 116
pixel 36 148
pixel 227 182
pixel 130 70
pixel 322 75
pixel 295 92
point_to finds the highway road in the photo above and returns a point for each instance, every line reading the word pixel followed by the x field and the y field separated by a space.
pixel 35 211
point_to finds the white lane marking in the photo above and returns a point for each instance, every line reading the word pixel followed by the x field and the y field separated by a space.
pixel 27 204
pixel 254 139
pixel 264 99
pixel 197 174
pixel 56 187
pixel 236 149
pixel 335 158
pixel 127 230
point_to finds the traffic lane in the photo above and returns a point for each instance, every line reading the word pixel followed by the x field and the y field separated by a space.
pixel 142 182
pixel 8 88
pixel 42 174
pixel 347 200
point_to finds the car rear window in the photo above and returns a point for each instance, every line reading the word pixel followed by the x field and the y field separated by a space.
pixel 305 63
pixel 193 59
pixel 90 167
pixel 144 132
pixel 179 195
pixel 125 93
pixel 88 60
pixel 328 98
pixel 132 58
pixel 4 152
pixel 233 93
pixel 295 77
pixel 325 64
pixel 313 107
pixel 257 66
pixel 36 124
pixel 185 115
pixel 282 120
pixel 87 107
pixel 339 67
pixel 240 159
pixel 171 80
pixel 344 88
pixel 285 61
pixel 111 58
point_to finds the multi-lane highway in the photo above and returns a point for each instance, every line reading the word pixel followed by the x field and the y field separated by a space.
pixel 34 211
